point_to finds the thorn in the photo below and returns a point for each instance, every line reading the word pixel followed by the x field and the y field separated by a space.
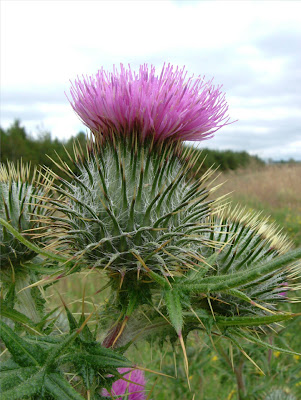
pixel 152 371
pixel 121 330
pixel 122 273
pixel 185 358
pixel 85 322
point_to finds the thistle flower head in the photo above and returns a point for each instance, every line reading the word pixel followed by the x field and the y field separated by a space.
pixel 134 390
pixel 21 208
pixel 249 241
pixel 166 106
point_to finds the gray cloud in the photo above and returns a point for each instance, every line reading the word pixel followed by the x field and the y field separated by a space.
pixel 48 95
pixel 251 89
pixel 24 114
pixel 280 43
pixel 277 141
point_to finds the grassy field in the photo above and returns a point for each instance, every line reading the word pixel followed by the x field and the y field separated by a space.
pixel 275 190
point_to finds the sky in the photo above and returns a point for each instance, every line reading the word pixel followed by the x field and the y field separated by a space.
pixel 252 48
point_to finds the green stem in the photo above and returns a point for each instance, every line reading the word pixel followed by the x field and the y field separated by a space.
pixel 240 381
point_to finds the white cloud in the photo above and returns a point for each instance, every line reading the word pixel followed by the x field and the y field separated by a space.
pixel 46 43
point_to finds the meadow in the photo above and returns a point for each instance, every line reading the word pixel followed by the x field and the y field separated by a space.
pixel 273 190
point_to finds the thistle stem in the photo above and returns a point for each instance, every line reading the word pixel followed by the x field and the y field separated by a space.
pixel 241 388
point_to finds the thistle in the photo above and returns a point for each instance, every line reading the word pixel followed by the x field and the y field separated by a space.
pixel 175 258
pixel 21 208
pixel 133 210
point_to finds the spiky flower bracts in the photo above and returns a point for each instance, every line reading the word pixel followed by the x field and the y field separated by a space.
pixel 22 206
pixel 132 211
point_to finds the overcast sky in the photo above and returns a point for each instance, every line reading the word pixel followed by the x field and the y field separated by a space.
pixel 252 48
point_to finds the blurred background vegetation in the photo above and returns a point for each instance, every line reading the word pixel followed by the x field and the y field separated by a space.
pixel 274 189
pixel 16 143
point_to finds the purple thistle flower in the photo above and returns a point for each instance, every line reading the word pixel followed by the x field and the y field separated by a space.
pixel 166 106
pixel 122 387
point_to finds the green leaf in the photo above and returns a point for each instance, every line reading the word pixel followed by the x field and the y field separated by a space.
pixel 28 387
pixel 72 321
pixel 56 352
pixel 9 300
pixel 14 374
pixel 252 320
pixel 85 334
pixel 239 294
pixel 23 353
pixel 60 389
pixel 196 275
pixel 14 315
pixel 40 325
pixel 95 349
pixel 224 282
pixel 174 308
pixel 254 339
pixel 97 361
pixel 87 373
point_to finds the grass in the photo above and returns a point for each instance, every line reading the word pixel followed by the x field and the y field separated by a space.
pixel 275 190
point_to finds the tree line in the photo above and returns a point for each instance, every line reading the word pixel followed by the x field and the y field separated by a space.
pixel 16 143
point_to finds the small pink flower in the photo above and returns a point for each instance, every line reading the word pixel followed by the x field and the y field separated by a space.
pixel 165 105
pixel 122 387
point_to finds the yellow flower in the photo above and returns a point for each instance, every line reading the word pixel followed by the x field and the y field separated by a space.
pixel 214 358
pixel 296 357
pixel 276 353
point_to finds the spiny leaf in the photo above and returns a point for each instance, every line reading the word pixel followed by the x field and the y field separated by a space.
pixel 54 354
pixel 28 387
pixel 254 339
pixel 174 309
pixel 240 278
pixel 72 321
pixel 252 320
pixel 9 300
pixel 23 353
pixel 16 316
pixel 97 361
pixel 12 374
pixel 40 325
pixel 60 389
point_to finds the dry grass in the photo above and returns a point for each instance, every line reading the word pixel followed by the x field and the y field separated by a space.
pixel 277 186
pixel 275 189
